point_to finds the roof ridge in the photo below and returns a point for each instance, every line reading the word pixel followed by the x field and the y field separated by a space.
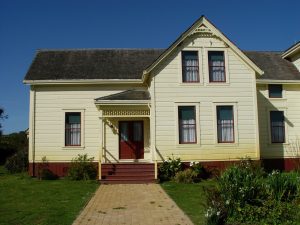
pixel 99 49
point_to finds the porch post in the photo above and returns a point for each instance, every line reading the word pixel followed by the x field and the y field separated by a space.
pixel 101 148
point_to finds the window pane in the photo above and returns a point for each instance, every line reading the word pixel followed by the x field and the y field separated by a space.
pixel 275 90
pixel 190 66
pixel 216 66
pixel 277 127
pixel 137 131
pixel 124 131
pixel 72 129
pixel 187 124
pixel 225 124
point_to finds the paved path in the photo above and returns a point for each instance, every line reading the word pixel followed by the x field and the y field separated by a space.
pixel 131 204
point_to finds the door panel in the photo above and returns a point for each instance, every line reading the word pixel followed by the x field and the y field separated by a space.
pixel 131 140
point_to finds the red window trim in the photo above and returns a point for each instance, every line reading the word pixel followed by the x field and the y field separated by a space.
pixel 209 66
pixel 183 68
pixel 70 145
pixel 195 124
pixel 233 124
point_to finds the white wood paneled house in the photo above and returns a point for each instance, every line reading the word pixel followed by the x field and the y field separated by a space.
pixel 201 99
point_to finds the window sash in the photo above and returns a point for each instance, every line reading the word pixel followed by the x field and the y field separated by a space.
pixel 72 129
pixel 275 90
pixel 225 124
pixel 216 62
pixel 277 127
pixel 190 67
pixel 187 125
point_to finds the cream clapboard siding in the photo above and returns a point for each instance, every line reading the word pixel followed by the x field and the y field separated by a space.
pixel 170 92
pixel 290 104
pixel 51 102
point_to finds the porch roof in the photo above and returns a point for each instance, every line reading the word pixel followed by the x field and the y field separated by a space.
pixel 129 96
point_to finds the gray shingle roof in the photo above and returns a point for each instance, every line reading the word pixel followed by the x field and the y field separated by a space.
pixel 127 95
pixel 130 63
pixel 274 66
pixel 91 64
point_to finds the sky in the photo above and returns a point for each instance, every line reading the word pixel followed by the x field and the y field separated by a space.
pixel 26 26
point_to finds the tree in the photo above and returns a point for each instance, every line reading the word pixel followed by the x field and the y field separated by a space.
pixel 2 117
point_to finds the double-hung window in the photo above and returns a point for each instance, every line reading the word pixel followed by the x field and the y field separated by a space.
pixel 190 67
pixel 216 63
pixel 187 124
pixel 72 129
pixel 277 127
pixel 225 124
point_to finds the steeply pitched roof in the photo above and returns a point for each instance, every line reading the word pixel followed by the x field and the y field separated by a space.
pixel 291 50
pixel 274 66
pixel 127 95
pixel 91 64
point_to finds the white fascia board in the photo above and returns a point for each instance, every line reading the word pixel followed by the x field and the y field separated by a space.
pixel 268 81
pixel 291 51
pixel 84 81
pixel 122 102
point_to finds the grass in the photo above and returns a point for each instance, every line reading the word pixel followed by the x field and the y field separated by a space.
pixel 190 198
pixel 26 200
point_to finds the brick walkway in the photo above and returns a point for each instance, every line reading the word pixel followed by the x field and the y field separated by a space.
pixel 134 204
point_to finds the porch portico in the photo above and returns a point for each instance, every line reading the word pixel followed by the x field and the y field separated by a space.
pixel 125 120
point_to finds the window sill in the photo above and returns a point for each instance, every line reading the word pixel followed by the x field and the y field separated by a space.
pixel 73 147
pixel 221 145
pixel 193 145
pixel 279 144
pixel 217 84
pixel 191 84
pixel 276 99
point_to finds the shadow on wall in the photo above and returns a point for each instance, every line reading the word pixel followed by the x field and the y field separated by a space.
pixel 273 155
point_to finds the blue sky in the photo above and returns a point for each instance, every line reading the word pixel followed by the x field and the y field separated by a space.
pixel 26 26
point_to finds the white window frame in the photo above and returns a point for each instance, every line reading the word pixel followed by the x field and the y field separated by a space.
pixel 82 128
pixel 206 63
pixel 197 117
pixel 235 120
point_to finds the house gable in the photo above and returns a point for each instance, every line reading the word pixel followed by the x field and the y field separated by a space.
pixel 203 28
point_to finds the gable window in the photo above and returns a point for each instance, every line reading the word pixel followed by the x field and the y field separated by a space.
pixel 225 124
pixel 187 124
pixel 190 66
pixel 277 126
pixel 216 63
pixel 275 90
pixel 73 129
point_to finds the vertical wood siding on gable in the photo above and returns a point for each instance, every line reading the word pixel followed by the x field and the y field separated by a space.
pixel 240 90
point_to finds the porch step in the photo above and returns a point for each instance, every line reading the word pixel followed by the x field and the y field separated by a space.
pixel 114 173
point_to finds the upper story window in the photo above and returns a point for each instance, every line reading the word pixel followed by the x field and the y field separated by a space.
pixel 277 126
pixel 187 124
pixel 190 67
pixel 216 62
pixel 73 129
pixel 225 124
pixel 275 90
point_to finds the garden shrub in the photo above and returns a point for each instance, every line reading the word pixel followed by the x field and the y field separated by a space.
pixel 282 186
pixel 245 195
pixel 17 163
pixel 82 168
pixel 198 168
pixel 187 176
pixel 169 168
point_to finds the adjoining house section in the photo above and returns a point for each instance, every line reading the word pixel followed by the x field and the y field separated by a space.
pixel 201 99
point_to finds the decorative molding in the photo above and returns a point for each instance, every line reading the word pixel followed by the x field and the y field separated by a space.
pixel 116 113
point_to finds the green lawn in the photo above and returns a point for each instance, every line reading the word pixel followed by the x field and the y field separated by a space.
pixel 25 200
pixel 190 198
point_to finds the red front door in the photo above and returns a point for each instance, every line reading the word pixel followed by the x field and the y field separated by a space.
pixel 131 139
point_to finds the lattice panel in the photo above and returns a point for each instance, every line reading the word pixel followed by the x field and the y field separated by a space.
pixel 126 112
